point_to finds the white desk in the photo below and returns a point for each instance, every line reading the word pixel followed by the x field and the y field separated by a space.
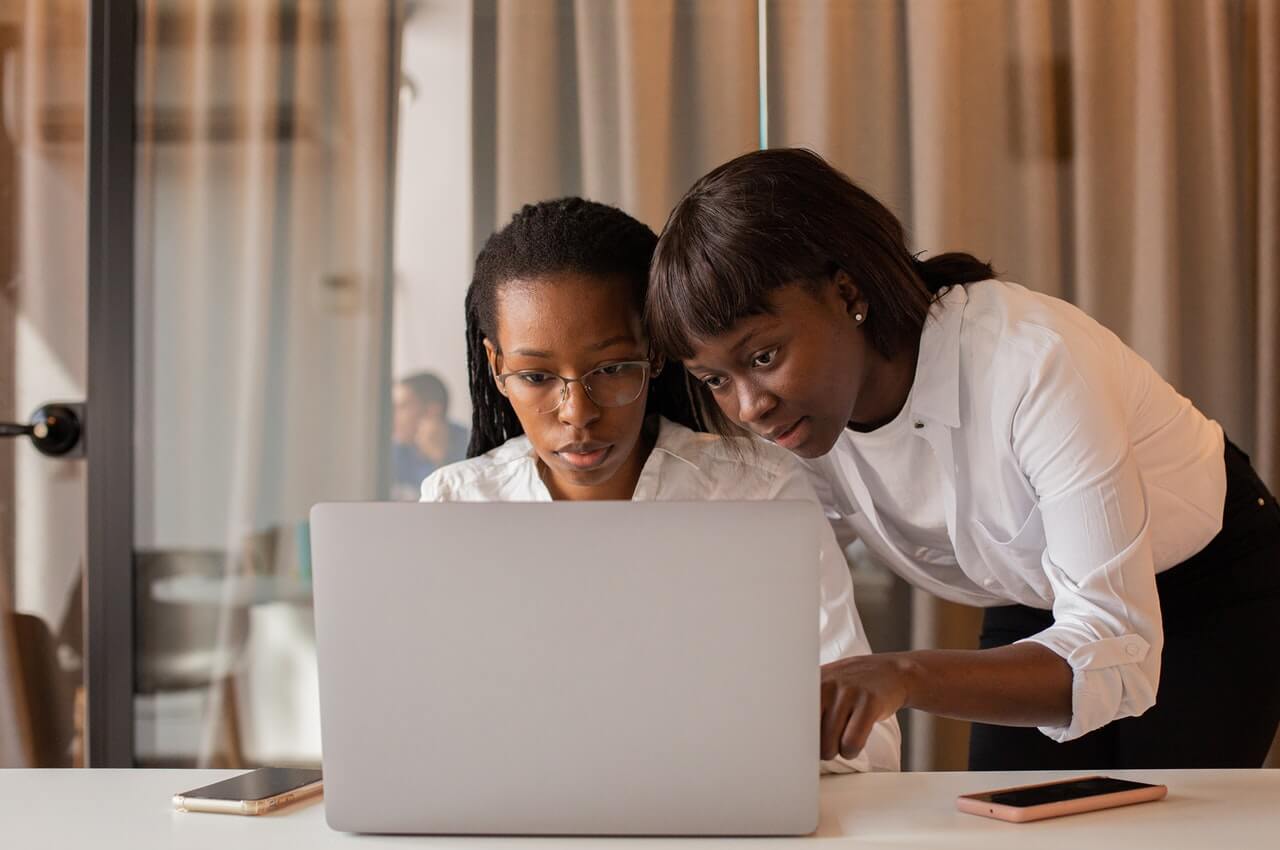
pixel 132 809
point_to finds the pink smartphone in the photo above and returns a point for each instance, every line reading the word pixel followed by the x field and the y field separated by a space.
pixel 1053 799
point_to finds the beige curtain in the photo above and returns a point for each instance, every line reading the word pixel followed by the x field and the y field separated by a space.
pixel 263 232
pixel 1125 156
pixel 623 101
pixel 262 216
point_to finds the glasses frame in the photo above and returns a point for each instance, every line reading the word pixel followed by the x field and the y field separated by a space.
pixel 650 372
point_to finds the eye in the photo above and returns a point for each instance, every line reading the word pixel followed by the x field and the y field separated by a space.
pixel 534 379
pixel 612 369
pixel 764 358
pixel 713 382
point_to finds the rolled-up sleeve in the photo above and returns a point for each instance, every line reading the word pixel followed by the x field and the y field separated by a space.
pixel 840 628
pixel 1072 442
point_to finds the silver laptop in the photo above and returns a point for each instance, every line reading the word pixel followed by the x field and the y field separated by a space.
pixel 602 668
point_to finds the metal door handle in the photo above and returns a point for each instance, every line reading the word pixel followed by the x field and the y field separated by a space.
pixel 54 429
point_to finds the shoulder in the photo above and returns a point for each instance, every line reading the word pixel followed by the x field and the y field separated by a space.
pixel 1008 318
pixel 1037 365
pixel 730 467
pixel 489 476
pixel 1014 342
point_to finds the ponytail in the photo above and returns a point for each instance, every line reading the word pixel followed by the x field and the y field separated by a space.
pixel 953 269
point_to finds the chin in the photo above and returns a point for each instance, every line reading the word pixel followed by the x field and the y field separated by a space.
pixel 590 477
pixel 820 441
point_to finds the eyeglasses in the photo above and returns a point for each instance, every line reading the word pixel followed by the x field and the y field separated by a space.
pixel 611 385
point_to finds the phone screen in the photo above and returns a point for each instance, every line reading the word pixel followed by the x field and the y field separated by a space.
pixel 257 784
pixel 1071 789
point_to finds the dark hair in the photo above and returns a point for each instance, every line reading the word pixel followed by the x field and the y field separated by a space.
pixel 565 235
pixel 427 388
pixel 774 217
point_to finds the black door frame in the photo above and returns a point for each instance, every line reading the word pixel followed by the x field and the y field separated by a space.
pixel 109 428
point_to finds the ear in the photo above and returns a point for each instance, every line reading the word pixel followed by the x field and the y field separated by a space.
pixel 849 294
pixel 659 362
pixel 491 352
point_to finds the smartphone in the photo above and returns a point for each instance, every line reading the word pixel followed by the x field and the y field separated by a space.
pixel 254 793
pixel 1054 799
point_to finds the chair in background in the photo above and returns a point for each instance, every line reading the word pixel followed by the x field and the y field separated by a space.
pixel 191 648
pixel 52 719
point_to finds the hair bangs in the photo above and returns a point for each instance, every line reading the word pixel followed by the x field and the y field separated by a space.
pixel 703 281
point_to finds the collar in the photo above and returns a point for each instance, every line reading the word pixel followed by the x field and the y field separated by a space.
pixel 935 394
pixel 673 440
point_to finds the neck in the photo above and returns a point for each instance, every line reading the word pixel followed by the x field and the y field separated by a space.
pixel 621 486
pixel 886 386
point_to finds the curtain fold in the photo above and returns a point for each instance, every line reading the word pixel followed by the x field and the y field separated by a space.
pixel 1261 86
pixel 263 228
pixel 623 101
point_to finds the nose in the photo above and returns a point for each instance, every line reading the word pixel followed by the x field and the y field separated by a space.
pixel 753 403
pixel 578 410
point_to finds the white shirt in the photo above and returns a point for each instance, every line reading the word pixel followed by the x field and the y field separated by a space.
pixel 904 474
pixel 1071 474
pixel 686 466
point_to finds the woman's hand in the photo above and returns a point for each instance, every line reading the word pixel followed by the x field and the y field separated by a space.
pixel 857 693
pixel 1024 684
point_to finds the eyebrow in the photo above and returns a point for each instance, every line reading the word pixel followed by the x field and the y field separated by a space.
pixel 613 340
pixel 744 339
pixel 736 347
pixel 599 346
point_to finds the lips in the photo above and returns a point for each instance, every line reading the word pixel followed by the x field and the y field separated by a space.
pixel 586 455
pixel 790 436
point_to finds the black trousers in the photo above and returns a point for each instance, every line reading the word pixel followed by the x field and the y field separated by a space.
pixel 1218 702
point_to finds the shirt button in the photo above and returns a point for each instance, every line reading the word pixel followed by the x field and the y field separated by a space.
pixel 1132 650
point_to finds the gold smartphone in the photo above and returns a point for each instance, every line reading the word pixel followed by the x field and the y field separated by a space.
pixel 1055 799
pixel 254 793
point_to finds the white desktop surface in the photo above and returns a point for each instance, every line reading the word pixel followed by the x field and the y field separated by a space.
pixel 132 809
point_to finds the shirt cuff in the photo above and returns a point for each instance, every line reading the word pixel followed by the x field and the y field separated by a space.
pixel 1108 681
pixel 883 752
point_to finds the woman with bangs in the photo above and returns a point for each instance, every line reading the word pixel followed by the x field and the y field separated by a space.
pixel 995 447
pixel 570 402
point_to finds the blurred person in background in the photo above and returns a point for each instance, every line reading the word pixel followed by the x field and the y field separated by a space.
pixel 422 438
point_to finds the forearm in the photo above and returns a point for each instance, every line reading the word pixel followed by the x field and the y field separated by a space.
pixel 1024 684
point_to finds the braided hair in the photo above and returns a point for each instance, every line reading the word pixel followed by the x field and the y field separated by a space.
pixel 564 235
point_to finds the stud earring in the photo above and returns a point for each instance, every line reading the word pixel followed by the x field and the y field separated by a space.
pixel 857 317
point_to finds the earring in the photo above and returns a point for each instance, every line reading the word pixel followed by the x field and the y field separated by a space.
pixel 857 317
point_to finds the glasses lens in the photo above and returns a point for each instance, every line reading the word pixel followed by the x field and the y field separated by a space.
pixel 537 391
pixel 617 384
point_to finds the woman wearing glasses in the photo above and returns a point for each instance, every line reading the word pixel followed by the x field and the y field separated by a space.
pixel 570 403
pixel 995 447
